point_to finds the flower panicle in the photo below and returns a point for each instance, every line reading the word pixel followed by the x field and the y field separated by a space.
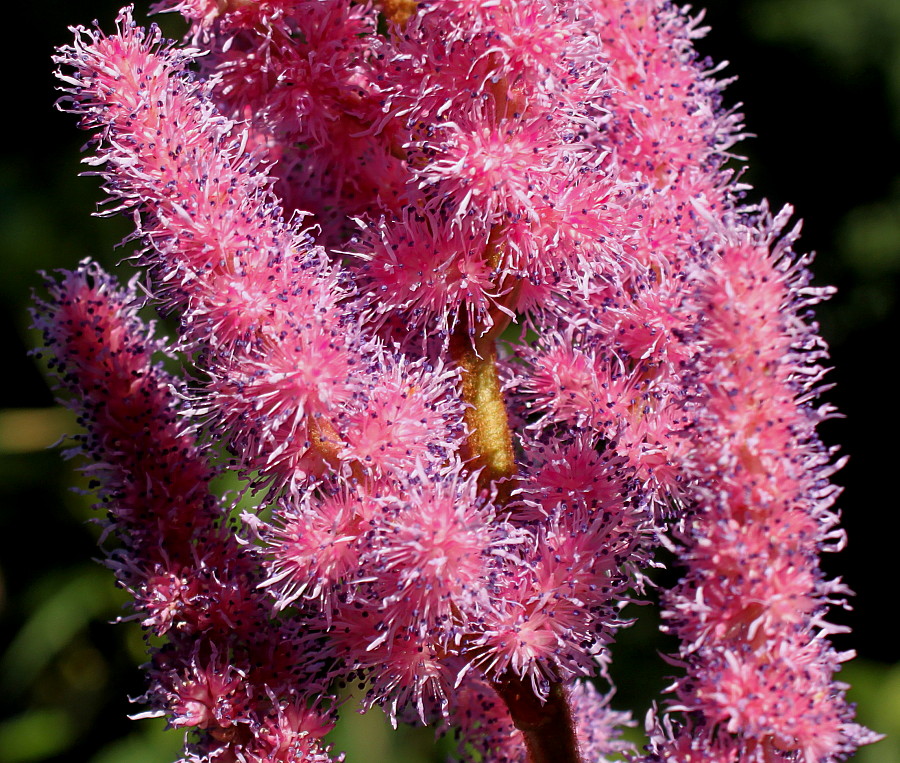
pixel 262 306
pixel 750 610
pixel 346 208
pixel 193 583
pixel 154 478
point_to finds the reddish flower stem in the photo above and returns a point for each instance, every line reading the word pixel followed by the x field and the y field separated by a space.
pixel 548 728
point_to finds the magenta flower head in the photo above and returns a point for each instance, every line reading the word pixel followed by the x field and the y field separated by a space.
pixel 467 295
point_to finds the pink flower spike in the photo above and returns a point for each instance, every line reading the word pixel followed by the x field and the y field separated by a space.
pixel 192 582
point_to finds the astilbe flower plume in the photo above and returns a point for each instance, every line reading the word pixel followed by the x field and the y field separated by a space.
pixel 469 297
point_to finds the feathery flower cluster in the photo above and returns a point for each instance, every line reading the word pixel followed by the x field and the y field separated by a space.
pixel 352 210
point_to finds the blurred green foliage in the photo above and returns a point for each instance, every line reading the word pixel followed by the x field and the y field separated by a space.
pixel 858 44
pixel 849 39
pixel 820 80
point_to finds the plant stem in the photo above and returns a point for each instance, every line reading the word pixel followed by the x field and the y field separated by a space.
pixel 489 445
pixel 548 727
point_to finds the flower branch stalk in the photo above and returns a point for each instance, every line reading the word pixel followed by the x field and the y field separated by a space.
pixel 548 727
pixel 488 449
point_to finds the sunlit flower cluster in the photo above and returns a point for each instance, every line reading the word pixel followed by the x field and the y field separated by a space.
pixel 469 298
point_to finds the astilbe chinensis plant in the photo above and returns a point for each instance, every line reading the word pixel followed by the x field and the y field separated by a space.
pixel 468 294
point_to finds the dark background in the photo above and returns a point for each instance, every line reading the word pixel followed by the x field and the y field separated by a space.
pixel 820 84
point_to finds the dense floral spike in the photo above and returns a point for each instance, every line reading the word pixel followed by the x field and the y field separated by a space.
pixel 283 356
pixel 227 668
pixel 750 609
pixel 220 251
pixel 102 357
pixel 454 520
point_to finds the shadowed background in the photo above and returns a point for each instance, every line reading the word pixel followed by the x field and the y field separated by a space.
pixel 820 84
